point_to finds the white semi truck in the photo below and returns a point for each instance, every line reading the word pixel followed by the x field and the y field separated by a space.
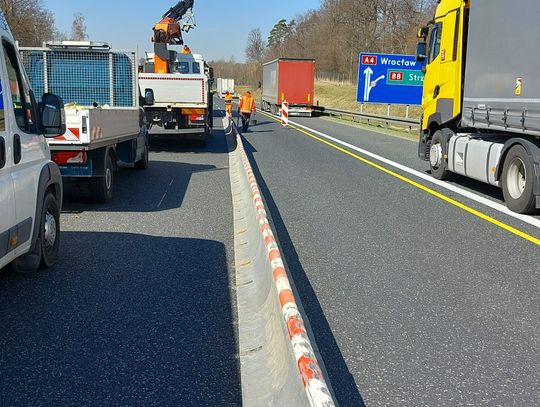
pixel 224 85
pixel 106 127
pixel 178 103
pixel 30 183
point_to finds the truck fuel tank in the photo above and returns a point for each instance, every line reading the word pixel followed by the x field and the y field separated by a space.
pixel 474 157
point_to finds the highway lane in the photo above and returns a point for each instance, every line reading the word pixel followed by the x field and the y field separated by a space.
pixel 139 309
pixel 412 300
pixel 404 152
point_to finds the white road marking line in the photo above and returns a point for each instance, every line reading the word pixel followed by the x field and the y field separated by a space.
pixel 162 198
pixel 477 198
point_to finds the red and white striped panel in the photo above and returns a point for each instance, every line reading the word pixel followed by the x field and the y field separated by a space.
pixel 285 113
pixel 71 134
pixel 308 367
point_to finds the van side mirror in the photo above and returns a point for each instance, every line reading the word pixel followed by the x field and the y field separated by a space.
pixel 149 97
pixel 53 115
pixel 421 51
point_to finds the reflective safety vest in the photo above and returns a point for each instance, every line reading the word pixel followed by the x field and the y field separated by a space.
pixel 228 99
pixel 247 104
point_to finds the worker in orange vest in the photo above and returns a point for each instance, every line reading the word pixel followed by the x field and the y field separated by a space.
pixel 228 104
pixel 246 106
pixel 186 50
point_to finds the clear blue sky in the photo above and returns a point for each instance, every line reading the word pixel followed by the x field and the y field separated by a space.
pixel 222 26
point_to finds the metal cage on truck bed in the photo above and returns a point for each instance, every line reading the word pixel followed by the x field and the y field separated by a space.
pixel 84 75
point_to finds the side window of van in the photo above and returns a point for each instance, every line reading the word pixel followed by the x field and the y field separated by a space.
pixel 196 67
pixel 20 95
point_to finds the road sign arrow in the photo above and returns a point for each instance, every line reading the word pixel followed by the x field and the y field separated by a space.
pixel 367 73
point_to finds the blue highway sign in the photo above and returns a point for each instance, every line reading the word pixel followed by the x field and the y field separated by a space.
pixel 389 79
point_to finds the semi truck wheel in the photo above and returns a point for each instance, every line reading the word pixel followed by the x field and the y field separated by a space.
pixel 438 156
pixel 517 181
pixel 49 232
pixel 101 188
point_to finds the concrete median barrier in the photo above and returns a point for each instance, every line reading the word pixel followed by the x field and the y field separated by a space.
pixel 278 363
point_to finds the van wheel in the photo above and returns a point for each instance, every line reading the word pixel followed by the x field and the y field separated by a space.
pixel 517 181
pixel 49 232
pixel 438 156
pixel 44 251
pixel 101 189
pixel 142 164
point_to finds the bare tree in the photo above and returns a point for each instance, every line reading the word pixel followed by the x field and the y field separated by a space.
pixel 339 30
pixel 78 28
pixel 30 23
pixel 336 33
pixel 255 52
pixel 255 46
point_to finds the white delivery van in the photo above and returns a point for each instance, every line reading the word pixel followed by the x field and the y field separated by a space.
pixel 30 183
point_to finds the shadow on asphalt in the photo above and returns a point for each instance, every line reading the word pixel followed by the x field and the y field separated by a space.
pixel 475 186
pixel 254 130
pixel 185 144
pixel 175 144
pixel 161 187
pixel 261 123
pixel 164 182
pixel 146 322
pixel 341 379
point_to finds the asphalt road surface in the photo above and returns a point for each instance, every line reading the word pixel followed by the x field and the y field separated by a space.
pixel 413 300
pixel 139 310
pixel 417 295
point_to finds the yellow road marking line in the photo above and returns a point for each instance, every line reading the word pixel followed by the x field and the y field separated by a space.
pixel 430 191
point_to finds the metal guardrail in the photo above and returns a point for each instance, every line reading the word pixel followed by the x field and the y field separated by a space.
pixel 370 117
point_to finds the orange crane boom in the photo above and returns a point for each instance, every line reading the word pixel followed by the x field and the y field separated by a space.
pixel 168 31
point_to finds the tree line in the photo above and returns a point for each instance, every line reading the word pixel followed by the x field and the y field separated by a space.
pixel 32 24
pixel 335 34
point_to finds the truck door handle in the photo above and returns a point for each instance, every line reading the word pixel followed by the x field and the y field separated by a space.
pixel 436 91
pixel 2 152
pixel 17 150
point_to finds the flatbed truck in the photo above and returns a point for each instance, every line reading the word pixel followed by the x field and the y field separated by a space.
pixel 105 126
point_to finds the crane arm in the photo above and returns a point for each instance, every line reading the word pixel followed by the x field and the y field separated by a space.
pixel 181 8
pixel 169 32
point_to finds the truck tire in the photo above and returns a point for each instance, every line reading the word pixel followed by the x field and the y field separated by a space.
pixel 517 181
pixel 438 156
pixel 101 188
pixel 49 232
pixel 142 164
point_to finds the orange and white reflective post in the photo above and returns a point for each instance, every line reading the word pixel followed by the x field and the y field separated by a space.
pixel 285 113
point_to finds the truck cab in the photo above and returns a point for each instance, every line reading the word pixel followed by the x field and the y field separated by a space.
pixel 441 99
pixel 30 183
